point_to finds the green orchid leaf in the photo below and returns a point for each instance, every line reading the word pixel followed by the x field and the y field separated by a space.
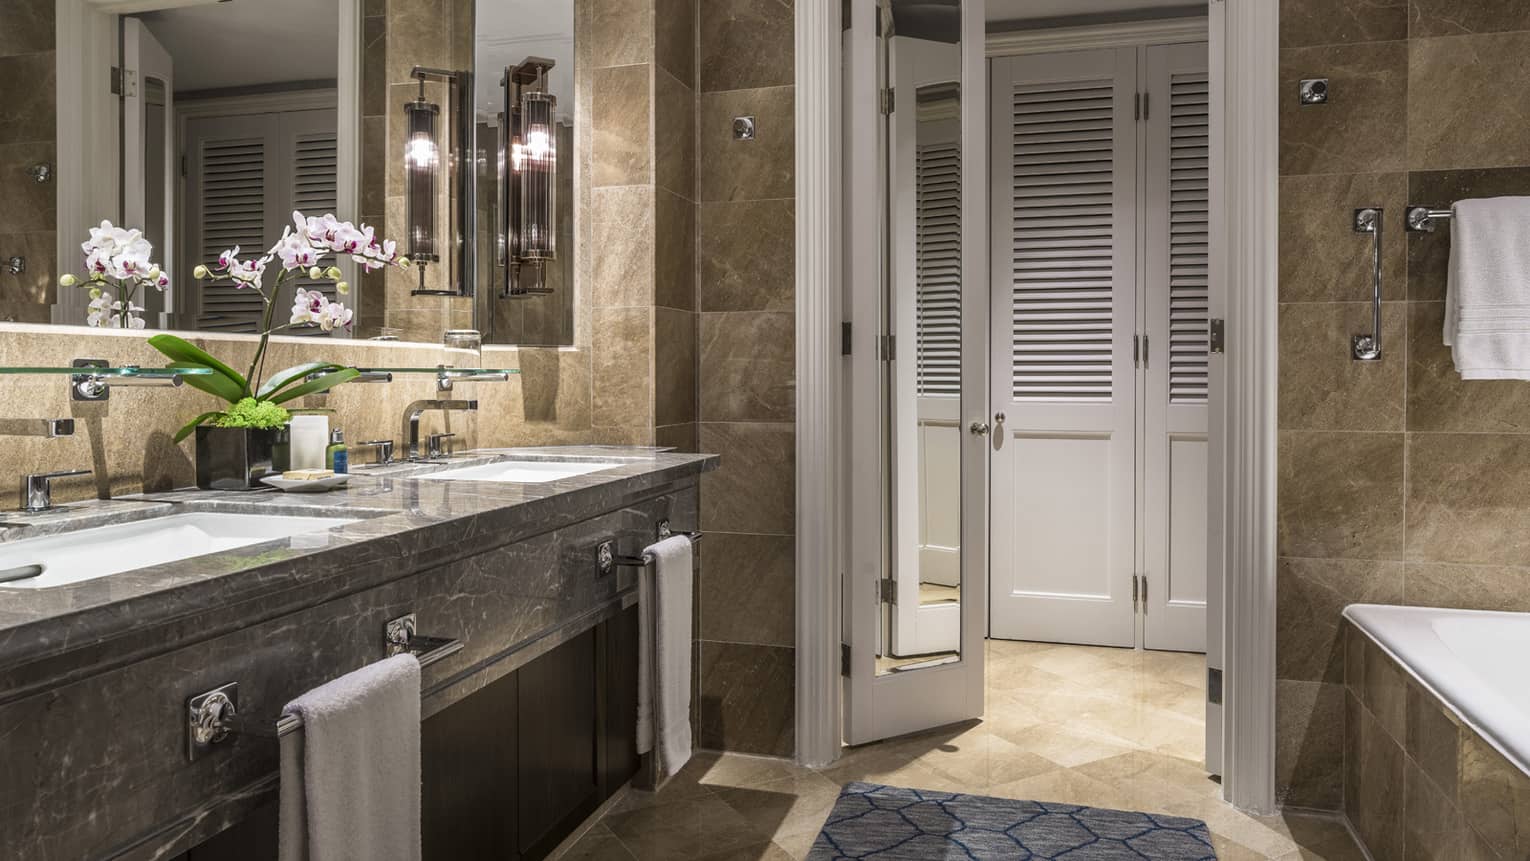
pixel 322 384
pixel 282 379
pixel 214 384
pixel 192 425
pixel 181 350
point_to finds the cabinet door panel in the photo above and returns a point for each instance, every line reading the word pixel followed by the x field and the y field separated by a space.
pixel 619 760
pixel 468 769
pixel 559 774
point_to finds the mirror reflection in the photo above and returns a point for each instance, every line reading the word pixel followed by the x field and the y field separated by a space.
pixel 921 62
pixel 223 118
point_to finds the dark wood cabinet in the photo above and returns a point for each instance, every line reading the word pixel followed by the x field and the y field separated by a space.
pixel 511 770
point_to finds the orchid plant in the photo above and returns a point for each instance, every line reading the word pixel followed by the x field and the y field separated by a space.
pixel 117 259
pixel 302 249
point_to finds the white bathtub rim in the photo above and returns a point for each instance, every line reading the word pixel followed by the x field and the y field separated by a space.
pixel 1475 705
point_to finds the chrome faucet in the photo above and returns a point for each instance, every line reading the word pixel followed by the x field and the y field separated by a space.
pixel 37 489
pixel 50 428
pixel 412 413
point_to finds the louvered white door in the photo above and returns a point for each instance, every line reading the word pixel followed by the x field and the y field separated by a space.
pixel 1176 147
pixel 245 175
pixel 1063 247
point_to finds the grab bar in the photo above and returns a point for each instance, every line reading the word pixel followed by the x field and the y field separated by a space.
pixel 213 716
pixel 1367 348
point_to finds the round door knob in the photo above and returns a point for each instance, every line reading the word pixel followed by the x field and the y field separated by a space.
pixel 979 428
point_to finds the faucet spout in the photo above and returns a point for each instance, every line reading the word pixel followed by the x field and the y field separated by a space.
pixel 412 413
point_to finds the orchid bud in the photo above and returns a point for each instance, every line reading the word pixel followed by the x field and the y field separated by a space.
pixel 95 293
pixel 154 274
pixel 68 281
pixel 333 273
pixel 342 287
pixel 315 273
pixel 404 263
pixel 199 272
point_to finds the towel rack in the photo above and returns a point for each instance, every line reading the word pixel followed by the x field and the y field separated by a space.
pixel 609 560
pixel 212 716
pixel 1422 219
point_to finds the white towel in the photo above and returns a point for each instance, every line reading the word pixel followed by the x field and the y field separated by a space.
pixel 664 655
pixel 1487 294
pixel 350 778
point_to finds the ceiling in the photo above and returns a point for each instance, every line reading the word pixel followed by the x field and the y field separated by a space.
pixel 1021 10
pixel 248 43
pixel 509 31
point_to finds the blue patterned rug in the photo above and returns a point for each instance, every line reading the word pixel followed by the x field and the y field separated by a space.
pixel 891 824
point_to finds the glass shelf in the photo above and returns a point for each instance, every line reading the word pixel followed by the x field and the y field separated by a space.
pixel 448 371
pixel 113 372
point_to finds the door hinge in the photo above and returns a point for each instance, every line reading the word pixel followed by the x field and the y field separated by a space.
pixel 1213 686
pixel 887 347
pixel 887 591
pixel 844 338
pixel 116 81
pixel 888 101
pixel 124 82
pixel 1218 336
pixel 844 659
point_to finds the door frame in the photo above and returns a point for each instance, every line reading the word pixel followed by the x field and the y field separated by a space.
pixel 1245 45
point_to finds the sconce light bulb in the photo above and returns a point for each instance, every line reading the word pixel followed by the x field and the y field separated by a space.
pixel 421 152
pixel 538 144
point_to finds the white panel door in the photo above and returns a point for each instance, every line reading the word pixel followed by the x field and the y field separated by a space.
pixel 1176 285
pixel 148 156
pixel 1063 275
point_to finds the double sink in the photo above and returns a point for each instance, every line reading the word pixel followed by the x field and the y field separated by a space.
pixel 73 555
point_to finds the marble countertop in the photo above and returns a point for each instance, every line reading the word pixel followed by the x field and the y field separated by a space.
pixel 401 520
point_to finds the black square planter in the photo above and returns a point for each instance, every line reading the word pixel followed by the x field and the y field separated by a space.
pixel 238 458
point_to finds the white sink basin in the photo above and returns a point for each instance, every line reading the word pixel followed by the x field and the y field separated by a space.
pixel 70 557
pixel 521 471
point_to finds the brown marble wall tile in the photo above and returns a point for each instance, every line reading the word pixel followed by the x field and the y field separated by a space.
pixel 1322 387
pixel 617 32
pixel 674 24
pixel 748 366
pixel 674 118
pixel 619 118
pixel 758 169
pixel 27 102
pixel 1467 100
pixel 1434 828
pixel 683 437
pixel 674 251
pixel 38 285
pixel 746 256
pixel 1384 691
pixel 745 44
pixel 1429 253
pixel 1363 126
pixel 747 589
pixel 622 367
pixel 1472 587
pixel 1469 498
pixel 1462 17
pixel 674 366
pixel 1309 739
pixel 1433 740
pixel 419 34
pixel 622 232
pixel 28 26
pixel 1374 772
pixel 1439 400
pixel 29 206
pixel 1310 596
pixel 374 65
pixel 754 490
pixel 747 702
pixel 1322 259
pixel 1305 23
pixel 1340 495
pixel 1494 796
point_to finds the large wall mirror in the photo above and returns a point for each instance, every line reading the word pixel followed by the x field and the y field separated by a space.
pixel 206 123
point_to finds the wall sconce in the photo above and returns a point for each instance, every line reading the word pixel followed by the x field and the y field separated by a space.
pixel 528 180
pixel 423 167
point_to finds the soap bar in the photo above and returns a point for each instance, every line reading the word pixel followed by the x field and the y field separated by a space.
pixel 307 474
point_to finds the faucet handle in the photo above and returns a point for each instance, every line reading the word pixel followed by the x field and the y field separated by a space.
pixel 37 489
pixel 433 444
pixel 384 450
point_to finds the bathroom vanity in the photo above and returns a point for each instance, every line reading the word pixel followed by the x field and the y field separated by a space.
pixel 527 726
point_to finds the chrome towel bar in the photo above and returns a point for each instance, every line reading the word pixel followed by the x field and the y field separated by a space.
pixel 608 560
pixel 1422 219
pixel 213 716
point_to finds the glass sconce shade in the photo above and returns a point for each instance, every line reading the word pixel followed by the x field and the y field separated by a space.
pixel 537 162
pixel 422 168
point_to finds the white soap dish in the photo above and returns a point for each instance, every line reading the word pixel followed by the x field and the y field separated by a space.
pixel 316 485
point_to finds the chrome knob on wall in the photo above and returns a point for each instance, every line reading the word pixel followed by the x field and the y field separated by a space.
pixel 16 265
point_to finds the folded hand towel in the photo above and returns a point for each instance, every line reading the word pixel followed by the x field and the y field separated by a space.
pixel 1487 295
pixel 664 655
pixel 350 778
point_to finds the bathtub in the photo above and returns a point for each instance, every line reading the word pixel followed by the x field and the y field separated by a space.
pixel 1476 663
